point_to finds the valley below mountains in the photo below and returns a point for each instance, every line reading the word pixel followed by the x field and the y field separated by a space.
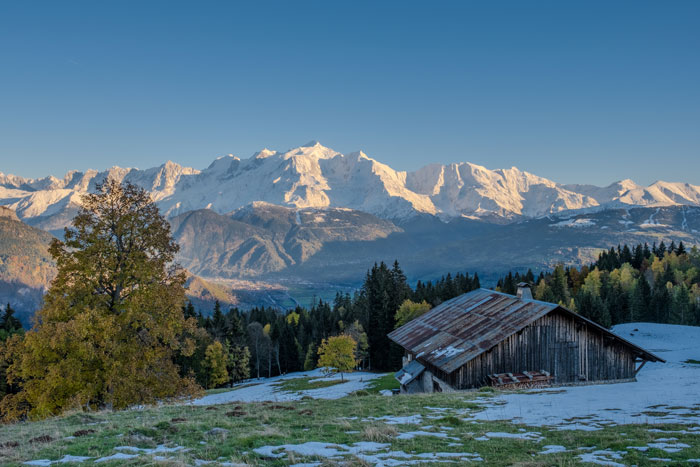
pixel 285 228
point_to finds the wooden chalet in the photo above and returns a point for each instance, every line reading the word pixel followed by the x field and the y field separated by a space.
pixel 490 338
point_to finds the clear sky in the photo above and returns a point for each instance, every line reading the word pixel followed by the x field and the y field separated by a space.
pixel 586 92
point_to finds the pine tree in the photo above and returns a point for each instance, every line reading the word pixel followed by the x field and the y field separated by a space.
pixel 594 308
pixel 661 250
pixel 681 310
pixel 310 359
pixel 218 324
pixel 681 249
pixel 381 310
pixel 640 302
pixel 238 365
pixel 9 323
pixel 559 286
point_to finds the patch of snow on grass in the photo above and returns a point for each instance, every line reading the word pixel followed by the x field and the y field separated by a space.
pixel 606 457
pixel 663 445
pixel 64 460
pixel 413 434
pixel 116 457
pixel 529 436
pixel 161 448
pixel 390 458
pixel 316 448
pixel 366 451
pixel 553 449
pixel 268 389
pixel 394 420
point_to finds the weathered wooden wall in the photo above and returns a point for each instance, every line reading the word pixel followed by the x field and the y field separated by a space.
pixel 571 351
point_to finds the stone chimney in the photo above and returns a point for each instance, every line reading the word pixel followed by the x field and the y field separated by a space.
pixel 524 291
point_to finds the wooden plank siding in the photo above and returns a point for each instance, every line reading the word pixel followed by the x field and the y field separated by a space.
pixel 571 351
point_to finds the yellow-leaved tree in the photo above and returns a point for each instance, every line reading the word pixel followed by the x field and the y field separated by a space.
pixel 408 311
pixel 215 360
pixel 337 353
pixel 112 319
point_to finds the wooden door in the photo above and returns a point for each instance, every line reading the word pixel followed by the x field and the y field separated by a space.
pixel 565 362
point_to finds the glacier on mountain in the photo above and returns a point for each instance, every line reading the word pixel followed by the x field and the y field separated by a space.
pixel 315 176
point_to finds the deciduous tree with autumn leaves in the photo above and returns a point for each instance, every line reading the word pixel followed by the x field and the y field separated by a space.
pixel 112 320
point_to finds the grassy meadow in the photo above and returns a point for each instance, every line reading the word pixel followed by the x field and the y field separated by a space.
pixel 416 429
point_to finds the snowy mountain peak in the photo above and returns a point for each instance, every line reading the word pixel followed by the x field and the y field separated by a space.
pixel 263 154
pixel 314 151
pixel 315 176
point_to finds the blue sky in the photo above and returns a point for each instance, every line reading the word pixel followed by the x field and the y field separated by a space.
pixel 586 92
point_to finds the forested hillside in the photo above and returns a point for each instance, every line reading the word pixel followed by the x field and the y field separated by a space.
pixel 658 284
pixel 281 342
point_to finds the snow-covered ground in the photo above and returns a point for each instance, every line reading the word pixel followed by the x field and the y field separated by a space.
pixel 268 389
pixel 664 392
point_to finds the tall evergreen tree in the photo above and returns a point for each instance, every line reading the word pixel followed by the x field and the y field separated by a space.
pixel 9 323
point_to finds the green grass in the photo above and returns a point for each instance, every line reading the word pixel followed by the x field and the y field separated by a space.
pixel 304 384
pixel 386 382
pixel 342 421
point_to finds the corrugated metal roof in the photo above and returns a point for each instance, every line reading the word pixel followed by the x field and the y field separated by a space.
pixel 410 372
pixel 458 330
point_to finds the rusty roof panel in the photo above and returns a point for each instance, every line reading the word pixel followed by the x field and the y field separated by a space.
pixel 458 330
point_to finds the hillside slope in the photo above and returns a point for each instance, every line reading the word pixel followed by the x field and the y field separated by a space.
pixel 26 268
pixel 264 238
pixel 657 422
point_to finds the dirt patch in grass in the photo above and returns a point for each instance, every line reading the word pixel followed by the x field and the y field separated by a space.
pixel 280 407
pixel 80 433
pixel 41 439
pixel 9 444
pixel 306 412
pixel 236 413
pixel 178 420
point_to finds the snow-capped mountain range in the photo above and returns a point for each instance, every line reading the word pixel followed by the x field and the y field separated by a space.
pixel 315 176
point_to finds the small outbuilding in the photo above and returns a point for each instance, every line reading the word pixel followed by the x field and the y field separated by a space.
pixel 490 338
